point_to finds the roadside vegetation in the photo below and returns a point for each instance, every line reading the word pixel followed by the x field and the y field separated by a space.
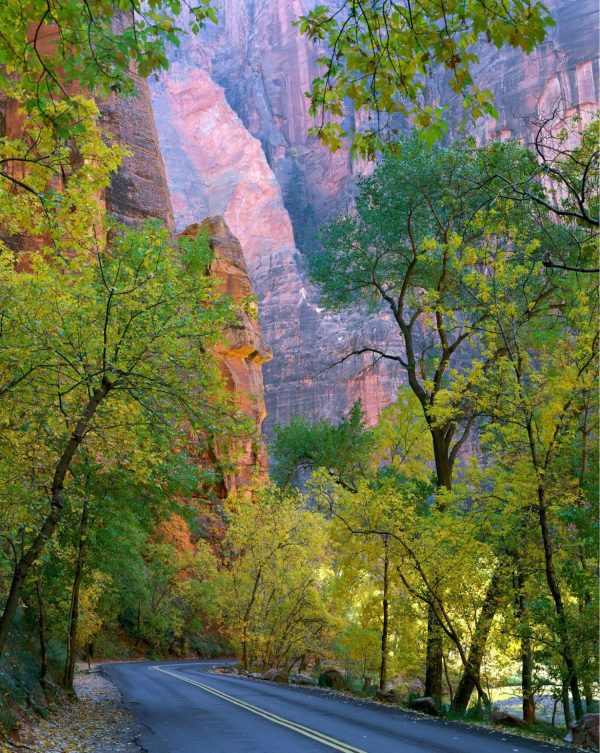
pixel 446 553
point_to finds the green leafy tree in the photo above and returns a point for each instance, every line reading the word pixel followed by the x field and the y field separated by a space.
pixel 427 245
pixel 343 448
pixel 125 345
pixel 362 463
pixel 379 54
pixel 542 387
pixel 561 181
pixel 272 590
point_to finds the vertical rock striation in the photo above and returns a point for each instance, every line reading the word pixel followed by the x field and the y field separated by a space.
pixel 233 120
pixel 216 166
pixel 139 190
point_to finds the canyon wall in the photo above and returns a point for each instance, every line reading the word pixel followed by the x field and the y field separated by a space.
pixel 232 121
pixel 139 191
pixel 216 166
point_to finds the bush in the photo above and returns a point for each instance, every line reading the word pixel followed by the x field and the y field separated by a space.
pixel 210 646
pixel 108 646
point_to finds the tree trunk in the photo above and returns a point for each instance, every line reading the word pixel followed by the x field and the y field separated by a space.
pixel 245 649
pixel 588 694
pixel 56 509
pixel 565 703
pixel 384 628
pixel 551 577
pixel 42 634
pixel 441 455
pixel 468 681
pixel 434 665
pixel 527 680
pixel 434 669
pixel 554 587
pixel 74 609
pixel 245 660
pixel 526 654
pixel 448 683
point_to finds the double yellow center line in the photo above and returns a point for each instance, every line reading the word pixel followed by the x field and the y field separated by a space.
pixel 330 742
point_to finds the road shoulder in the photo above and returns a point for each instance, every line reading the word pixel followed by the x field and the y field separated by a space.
pixel 95 722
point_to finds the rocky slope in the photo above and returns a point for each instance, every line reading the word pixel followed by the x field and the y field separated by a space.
pixel 232 121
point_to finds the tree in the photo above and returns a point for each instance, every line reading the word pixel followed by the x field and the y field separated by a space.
pixel 272 592
pixel 343 448
pixel 51 51
pixel 381 52
pixel 545 379
pixel 352 457
pixel 419 243
pixel 562 182
pixel 125 345
pixel 48 45
pixel 57 61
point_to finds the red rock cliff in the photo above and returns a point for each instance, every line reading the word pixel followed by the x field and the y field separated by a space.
pixel 242 350
pixel 233 120
pixel 140 191
pixel 216 166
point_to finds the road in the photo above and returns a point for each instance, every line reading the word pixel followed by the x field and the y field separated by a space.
pixel 183 709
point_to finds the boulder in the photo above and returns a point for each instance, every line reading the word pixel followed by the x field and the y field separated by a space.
pixel 225 670
pixel 389 696
pixel 425 705
pixel 302 679
pixel 332 678
pixel 501 717
pixel 255 675
pixel 276 675
pixel 585 732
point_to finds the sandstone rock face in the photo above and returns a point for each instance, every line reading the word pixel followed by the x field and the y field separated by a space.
pixel 139 191
pixel 560 74
pixel 233 120
pixel 242 351
pixel 215 165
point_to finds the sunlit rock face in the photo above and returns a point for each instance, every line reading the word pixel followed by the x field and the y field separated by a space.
pixel 232 120
pixel 242 350
pixel 216 166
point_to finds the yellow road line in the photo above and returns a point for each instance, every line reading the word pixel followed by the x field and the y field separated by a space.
pixel 299 728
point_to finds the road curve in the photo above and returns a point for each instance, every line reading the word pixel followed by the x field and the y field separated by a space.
pixel 183 709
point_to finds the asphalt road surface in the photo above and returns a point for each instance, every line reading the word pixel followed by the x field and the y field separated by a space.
pixel 183 709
